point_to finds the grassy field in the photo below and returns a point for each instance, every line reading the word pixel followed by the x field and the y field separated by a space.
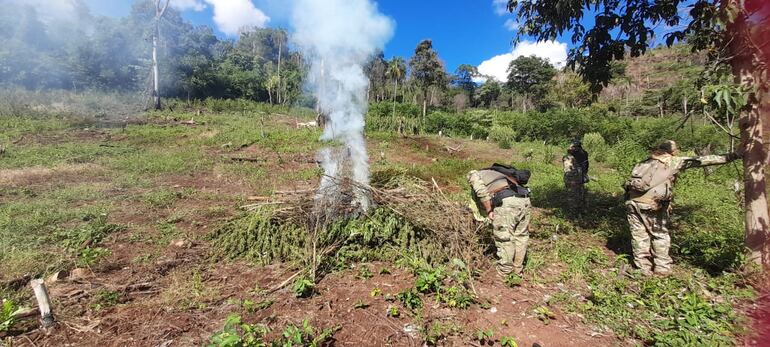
pixel 136 206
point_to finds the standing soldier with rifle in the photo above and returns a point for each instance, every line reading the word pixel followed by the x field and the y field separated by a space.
pixel 575 164
pixel 648 201
pixel 500 194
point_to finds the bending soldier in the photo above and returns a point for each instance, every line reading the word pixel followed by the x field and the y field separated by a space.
pixel 501 195
pixel 575 164
pixel 648 201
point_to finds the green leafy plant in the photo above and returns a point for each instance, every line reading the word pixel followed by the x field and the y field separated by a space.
pixel 513 280
pixel 90 256
pixel 304 335
pixel 8 311
pixel 105 298
pixel 485 337
pixel 507 341
pixel 456 297
pixel 364 273
pixel 544 314
pixel 392 311
pixel 429 280
pixel 238 334
pixel 410 299
pixel 303 288
pixel 360 304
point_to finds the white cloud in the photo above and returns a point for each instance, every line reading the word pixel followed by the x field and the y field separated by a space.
pixel 511 24
pixel 184 5
pixel 233 15
pixel 500 6
pixel 497 67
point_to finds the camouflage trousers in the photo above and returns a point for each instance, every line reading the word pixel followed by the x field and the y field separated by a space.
pixel 576 196
pixel 650 239
pixel 511 234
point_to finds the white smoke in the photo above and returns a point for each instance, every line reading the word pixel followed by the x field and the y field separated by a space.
pixel 338 37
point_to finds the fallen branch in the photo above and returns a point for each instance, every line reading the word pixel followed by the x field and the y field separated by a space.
pixel 454 149
pixel 284 283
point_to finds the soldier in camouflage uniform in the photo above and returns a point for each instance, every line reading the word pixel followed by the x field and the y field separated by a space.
pixel 648 202
pixel 510 218
pixel 575 165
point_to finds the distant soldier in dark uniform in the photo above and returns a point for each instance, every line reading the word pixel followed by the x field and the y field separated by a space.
pixel 576 175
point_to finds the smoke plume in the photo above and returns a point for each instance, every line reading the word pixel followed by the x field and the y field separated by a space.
pixel 338 37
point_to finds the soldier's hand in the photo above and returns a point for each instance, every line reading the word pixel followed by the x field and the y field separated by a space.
pixel 491 215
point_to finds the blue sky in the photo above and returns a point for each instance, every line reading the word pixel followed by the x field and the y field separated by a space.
pixel 463 31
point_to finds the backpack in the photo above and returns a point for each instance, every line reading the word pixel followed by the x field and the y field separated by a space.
pixel 650 179
pixel 521 176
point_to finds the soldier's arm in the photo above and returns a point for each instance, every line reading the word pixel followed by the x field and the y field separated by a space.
pixel 706 160
pixel 481 190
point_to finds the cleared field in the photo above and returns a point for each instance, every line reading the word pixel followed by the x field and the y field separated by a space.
pixel 131 214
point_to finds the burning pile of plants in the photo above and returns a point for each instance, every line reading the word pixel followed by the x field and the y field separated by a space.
pixel 408 217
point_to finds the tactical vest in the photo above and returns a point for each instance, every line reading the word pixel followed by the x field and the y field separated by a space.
pixel 651 182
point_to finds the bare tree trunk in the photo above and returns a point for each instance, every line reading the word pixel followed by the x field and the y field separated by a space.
pixel 746 67
pixel 159 12
pixel 155 78
pixel 278 90
pixel 395 91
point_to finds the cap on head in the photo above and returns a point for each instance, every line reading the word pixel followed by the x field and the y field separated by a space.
pixel 667 146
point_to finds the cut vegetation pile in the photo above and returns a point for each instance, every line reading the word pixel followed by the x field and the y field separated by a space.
pixel 412 218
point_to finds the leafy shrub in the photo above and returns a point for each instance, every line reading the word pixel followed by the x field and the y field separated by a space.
pixel 239 334
pixel 503 136
pixel 596 146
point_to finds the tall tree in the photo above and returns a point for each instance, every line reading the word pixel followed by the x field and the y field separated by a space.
pixel 733 32
pixel 396 71
pixel 531 77
pixel 464 75
pixel 160 10
pixel 376 69
pixel 427 70
pixel 488 92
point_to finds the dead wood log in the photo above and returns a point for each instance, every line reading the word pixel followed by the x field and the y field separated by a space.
pixel 43 303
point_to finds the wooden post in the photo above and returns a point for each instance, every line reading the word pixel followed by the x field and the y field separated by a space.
pixel 43 302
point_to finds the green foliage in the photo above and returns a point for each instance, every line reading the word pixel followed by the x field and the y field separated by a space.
pixel 530 76
pixel 410 299
pixel 456 297
pixel 105 298
pixel 485 336
pixel 392 311
pixel 364 273
pixel 429 280
pixel 303 288
pixel 544 314
pixel 90 256
pixel 8 311
pixel 596 146
pixel 238 334
pixel 508 341
pixel 513 280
